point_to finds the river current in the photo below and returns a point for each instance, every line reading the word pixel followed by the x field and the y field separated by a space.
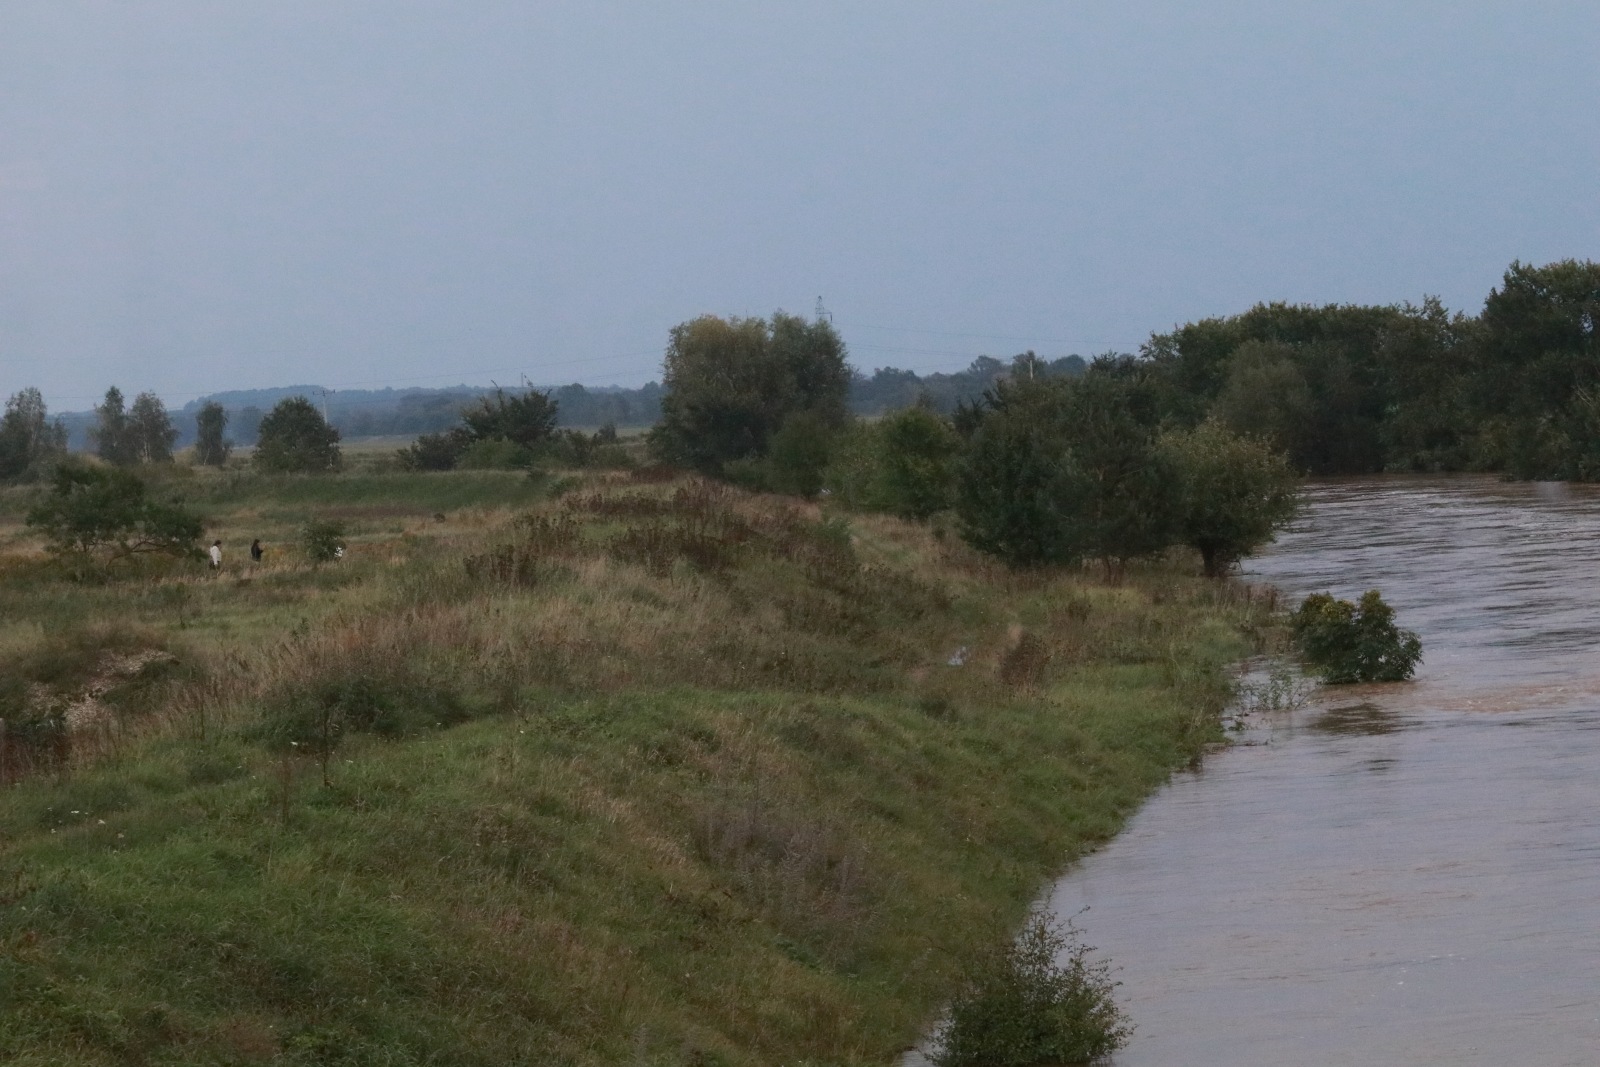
pixel 1389 875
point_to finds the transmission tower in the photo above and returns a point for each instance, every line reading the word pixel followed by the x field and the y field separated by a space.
pixel 823 314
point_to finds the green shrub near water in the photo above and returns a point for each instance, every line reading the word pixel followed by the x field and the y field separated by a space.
pixel 1360 642
pixel 1043 1001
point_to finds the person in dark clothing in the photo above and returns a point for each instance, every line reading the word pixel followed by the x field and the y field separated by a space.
pixel 255 550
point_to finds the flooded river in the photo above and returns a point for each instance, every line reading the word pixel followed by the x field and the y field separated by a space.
pixel 1395 875
pixel 1391 875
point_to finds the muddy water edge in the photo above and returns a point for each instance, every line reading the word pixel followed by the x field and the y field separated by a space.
pixel 1405 874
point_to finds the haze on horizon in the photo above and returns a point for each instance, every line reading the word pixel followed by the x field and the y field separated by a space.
pixel 197 197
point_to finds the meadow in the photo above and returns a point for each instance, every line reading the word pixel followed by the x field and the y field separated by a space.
pixel 617 767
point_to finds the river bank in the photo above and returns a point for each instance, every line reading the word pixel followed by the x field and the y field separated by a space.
pixel 672 774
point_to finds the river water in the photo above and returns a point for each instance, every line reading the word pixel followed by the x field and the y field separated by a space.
pixel 1391 875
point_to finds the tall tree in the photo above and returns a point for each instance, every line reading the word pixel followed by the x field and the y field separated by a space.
pixel 1233 492
pixel 1540 347
pixel 150 430
pixel 294 437
pixel 211 447
pixel 732 383
pixel 113 441
pixel 1060 469
pixel 29 441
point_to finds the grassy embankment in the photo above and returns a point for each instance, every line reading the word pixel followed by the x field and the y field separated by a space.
pixel 646 774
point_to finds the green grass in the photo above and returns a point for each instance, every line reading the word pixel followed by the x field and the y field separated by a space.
pixel 722 804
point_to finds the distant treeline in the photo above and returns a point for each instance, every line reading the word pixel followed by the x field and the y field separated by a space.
pixel 412 412
pixel 1346 389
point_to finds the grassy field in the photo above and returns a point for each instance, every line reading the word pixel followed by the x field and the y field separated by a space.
pixel 589 770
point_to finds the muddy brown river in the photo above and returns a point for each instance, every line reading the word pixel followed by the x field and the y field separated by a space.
pixel 1395 875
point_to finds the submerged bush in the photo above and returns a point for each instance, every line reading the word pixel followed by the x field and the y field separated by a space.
pixel 1040 1002
pixel 1360 642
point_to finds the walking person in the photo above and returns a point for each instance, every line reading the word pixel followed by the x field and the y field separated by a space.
pixel 216 555
pixel 255 551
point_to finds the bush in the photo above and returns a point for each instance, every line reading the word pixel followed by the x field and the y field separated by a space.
pixel 903 464
pixel 1040 1002
pixel 494 453
pixel 322 540
pixel 100 513
pixel 1348 642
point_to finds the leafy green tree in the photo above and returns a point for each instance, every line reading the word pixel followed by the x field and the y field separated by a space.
pixel 211 447
pixel 150 430
pixel 1540 365
pixel 1350 643
pixel 113 441
pixel 731 384
pixel 1265 395
pixel 1430 360
pixel 1019 490
pixel 294 437
pixel 104 514
pixel 1062 469
pixel 527 420
pixel 29 441
pixel 1233 492
pixel 502 431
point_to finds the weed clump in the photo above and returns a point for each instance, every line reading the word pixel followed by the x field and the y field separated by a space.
pixel 1359 642
pixel 1042 1001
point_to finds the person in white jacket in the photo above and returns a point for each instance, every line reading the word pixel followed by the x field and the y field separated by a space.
pixel 216 555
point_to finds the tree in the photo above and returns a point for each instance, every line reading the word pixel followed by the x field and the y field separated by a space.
pixel 1540 352
pixel 528 420
pixel 1066 468
pixel 112 440
pixel 105 512
pixel 1265 394
pixel 1018 489
pixel 29 441
pixel 294 437
pixel 211 448
pixel 150 430
pixel 502 430
pixel 732 383
pixel 1233 492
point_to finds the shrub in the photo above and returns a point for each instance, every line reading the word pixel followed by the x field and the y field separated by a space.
pixel 1348 642
pixel 322 540
pixel 103 513
pixel 494 453
pixel 903 464
pixel 1040 1002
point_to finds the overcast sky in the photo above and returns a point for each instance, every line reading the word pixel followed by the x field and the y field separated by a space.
pixel 198 195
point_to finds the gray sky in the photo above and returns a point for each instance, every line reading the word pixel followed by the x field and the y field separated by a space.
pixel 198 195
